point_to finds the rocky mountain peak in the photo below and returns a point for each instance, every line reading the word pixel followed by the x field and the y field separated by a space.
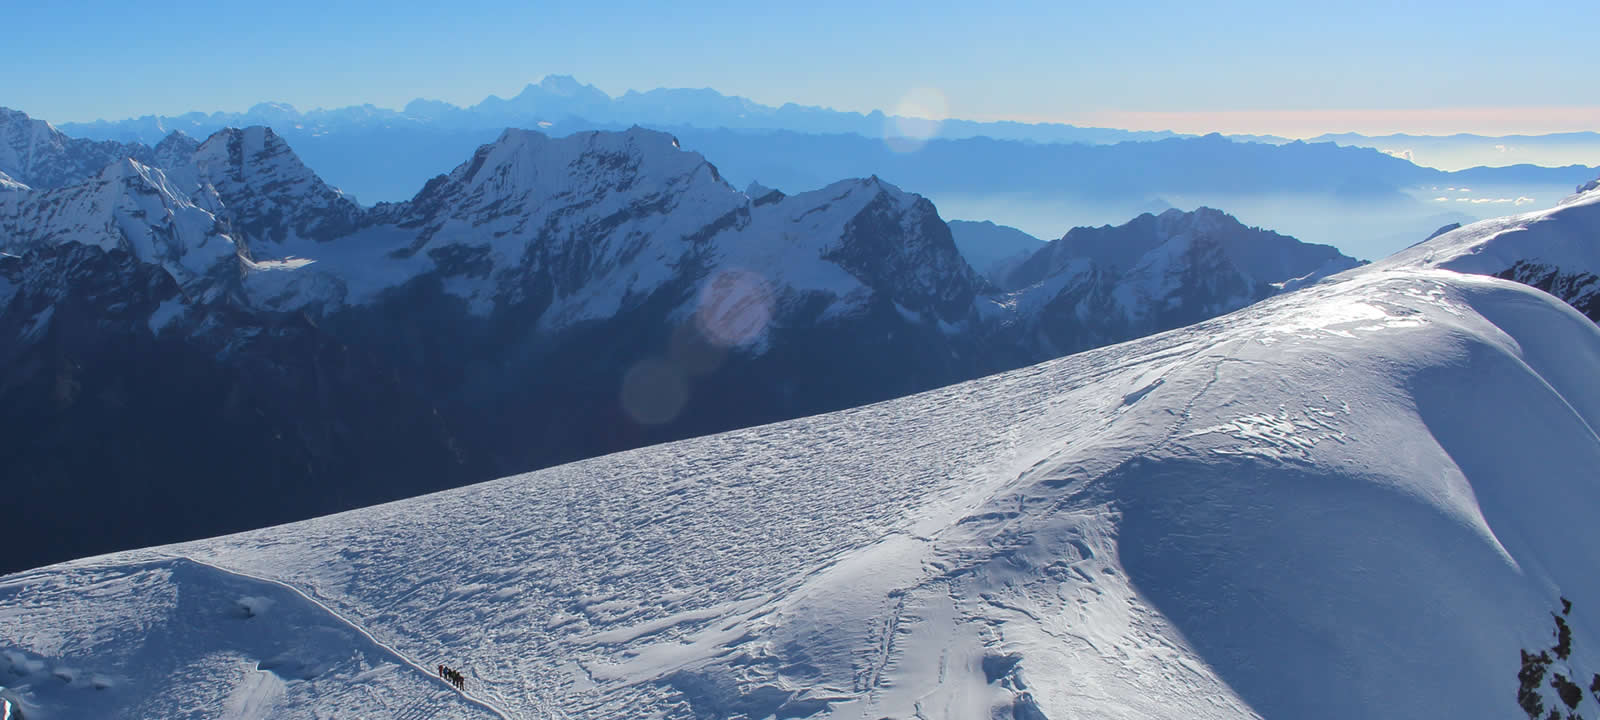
pixel 34 153
pixel 127 206
pixel 531 176
pixel 272 198
pixel 761 194
pixel 178 145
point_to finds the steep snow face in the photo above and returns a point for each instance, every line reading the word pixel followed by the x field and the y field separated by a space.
pixel 273 200
pixel 1332 504
pixel 34 153
pixel 129 207
pixel 1556 250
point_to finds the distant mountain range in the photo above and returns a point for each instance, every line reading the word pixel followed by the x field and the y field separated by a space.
pixel 1465 150
pixel 796 147
pixel 547 300
pixel 1039 178
pixel 562 100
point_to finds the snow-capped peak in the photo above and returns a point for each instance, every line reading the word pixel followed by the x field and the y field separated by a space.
pixel 563 85
pixel 36 154
pixel 271 196
pixel 273 111
pixel 525 174
pixel 177 145
pixel 761 194
pixel 130 207
pixel 1257 253
pixel 528 159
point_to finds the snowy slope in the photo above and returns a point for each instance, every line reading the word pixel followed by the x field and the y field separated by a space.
pixel 1354 500
pixel 1556 250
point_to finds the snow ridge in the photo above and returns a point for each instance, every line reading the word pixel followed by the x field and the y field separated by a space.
pixel 1122 533
pixel 1556 250
pixel 415 665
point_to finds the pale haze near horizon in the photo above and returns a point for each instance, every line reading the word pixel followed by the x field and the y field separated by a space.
pixel 1245 67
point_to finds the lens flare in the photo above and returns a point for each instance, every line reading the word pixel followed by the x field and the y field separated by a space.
pixel 654 392
pixel 692 352
pixel 915 120
pixel 735 308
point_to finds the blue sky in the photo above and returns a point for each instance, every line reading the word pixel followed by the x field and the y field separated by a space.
pixel 1423 66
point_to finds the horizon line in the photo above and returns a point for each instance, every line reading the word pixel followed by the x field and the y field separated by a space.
pixel 1291 124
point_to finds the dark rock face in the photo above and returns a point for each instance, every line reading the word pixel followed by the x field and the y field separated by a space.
pixel 269 194
pixel 548 300
pixel 920 269
pixel 122 435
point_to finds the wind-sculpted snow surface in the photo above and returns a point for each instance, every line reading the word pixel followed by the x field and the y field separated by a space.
pixel 1354 500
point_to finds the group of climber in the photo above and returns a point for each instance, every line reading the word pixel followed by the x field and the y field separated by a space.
pixel 453 677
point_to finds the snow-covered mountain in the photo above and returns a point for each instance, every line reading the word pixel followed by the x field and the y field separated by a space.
pixel 1039 178
pixel 1359 499
pixel 1096 286
pixel 268 194
pixel 993 250
pixel 36 154
pixel 547 300
pixel 1556 250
